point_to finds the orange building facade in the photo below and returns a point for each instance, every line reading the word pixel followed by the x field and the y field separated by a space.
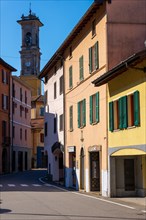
pixel 5 140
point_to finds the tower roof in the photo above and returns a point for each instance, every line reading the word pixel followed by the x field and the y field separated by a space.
pixel 31 17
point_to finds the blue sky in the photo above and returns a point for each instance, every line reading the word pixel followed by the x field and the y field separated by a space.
pixel 59 18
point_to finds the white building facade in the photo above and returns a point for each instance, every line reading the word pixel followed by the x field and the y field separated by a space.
pixel 54 121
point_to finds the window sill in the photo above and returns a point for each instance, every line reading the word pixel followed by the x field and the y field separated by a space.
pixel 94 123
pixel 130 127
pixel 71 130
pixel 82 126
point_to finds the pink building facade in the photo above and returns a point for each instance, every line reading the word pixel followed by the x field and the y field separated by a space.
pixel 20 125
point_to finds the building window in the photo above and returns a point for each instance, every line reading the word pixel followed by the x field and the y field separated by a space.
pixel 13 90
pixel 42 138
pixel 55 92
pixel 4 77
pixel 20 111
pixel 25 97
pixel 70 52
pixel 46 129
pixel 71 118
pixel 13 134
pixel 55 124
pixel 81 68
pixel 93 58
pixel 5 102
pixel 21 94
pixel 70 77
pixel 93 28
pixel 82 113
pixel 4 128
pixel 26 111
pixel 61 85
pixel 124 112
pixel 94 108
pixel 20 133
pixel 42 111
pixel 61 122
pixel 25 134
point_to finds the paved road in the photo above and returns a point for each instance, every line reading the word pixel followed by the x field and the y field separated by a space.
pixel 23 196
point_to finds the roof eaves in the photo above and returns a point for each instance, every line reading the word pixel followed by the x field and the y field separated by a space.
pixel 121 67
pixel 6 65
pixel 84 19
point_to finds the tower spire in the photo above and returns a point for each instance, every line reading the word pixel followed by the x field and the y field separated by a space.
pixel 30 8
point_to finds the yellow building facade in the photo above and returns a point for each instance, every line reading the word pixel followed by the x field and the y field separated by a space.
pixel 127 126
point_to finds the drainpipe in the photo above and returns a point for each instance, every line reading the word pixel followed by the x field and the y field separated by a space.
pixel 11 124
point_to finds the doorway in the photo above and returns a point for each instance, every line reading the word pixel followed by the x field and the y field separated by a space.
pixel 129 176
pixel 94 171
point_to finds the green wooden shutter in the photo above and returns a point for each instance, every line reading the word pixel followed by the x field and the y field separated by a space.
pixel 136 109
pixel 81 68
pixel 111 116
pixel 79 116
pixel 97 107
pixel 84 112
pixel 91 109
pixel 90 60
pixel 71 117
pixel 96 56
pixel 120 113
pixel 124 113
pixel 70 77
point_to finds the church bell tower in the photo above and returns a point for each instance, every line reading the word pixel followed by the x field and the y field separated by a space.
pixel 30 52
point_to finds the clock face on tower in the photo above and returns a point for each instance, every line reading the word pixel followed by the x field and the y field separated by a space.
pixel 28 39
pixel 27 63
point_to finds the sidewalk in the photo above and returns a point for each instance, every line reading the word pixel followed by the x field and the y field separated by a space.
pixel 141 201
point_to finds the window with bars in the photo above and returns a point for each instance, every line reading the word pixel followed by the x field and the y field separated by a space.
pixel 82 113
pixel 81 68
pixel 94 58
pixel 94 108
pixel 70 77
pixel 71 118
pixel 124 112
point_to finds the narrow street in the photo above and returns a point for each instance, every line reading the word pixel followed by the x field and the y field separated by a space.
pixel 23 196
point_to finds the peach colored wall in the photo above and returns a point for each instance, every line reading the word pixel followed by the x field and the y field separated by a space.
pixel 92 134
